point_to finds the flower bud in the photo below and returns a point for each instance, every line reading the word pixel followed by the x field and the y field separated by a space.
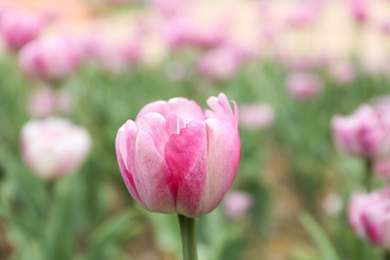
pixel 175 158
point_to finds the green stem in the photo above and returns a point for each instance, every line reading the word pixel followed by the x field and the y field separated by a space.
pixel 368 175
pixel 386 256
pixel 188 237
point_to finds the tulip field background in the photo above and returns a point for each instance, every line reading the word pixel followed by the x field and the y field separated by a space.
pixel 298 183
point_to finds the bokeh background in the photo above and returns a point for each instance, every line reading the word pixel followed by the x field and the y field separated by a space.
pixel 291 66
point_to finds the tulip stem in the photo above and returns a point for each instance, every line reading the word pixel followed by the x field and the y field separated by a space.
pixel 188 237
pixel 368 175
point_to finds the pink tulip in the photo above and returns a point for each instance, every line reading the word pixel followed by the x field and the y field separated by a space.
pixel 113 56
pixel 304 13
pixel 359 10
pixel 47 101
pixel 19 28
pixel 236 204
pixel 342 72
pixel 177 32
pixel 223 62
pixel 210 36
pixel 365 133
pixel 175 158
pixel 256 116
pixel 369 216
pixel 382 168
pixel 171 8
pixel 303 85
pixel 54 58
pixel 54 147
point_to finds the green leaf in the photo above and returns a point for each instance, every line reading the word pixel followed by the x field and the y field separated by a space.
pixel 107 240
pixel 320 238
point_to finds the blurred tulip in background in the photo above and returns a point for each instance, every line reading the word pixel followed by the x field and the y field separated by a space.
pixel 236 204
pixel 52 58
pixel 54 147
pixel 303 85
pixel 369 215
pixel 19 27
pixel 256 115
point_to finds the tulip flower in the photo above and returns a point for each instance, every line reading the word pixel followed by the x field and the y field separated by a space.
pixel 113 55
pixel 359 10
pixel 53 58
pixel 256 116
pixel 382 168
pixel 54 147
pixel 342 72
pixel 19 28
pixel 303 85
pixel 237 204
pixel 175 158
pixel 221 63
pixel 365 133
pixel 369 216
pixel 47 101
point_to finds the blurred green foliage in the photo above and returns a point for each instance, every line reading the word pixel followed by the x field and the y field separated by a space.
pixel 81 217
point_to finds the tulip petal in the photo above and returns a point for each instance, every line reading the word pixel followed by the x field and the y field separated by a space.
pixel 155 125
pixel 223 156
pixel 221 109
pixel 152 176
pixel 185 109
pixel 124 146
pixel 185 154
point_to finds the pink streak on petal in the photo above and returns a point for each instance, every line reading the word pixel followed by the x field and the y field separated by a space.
pixel 185 154
pixel 152 176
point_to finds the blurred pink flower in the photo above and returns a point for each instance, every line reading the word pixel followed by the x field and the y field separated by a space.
pixel 19 27
pixel 382 168
pixel 52 58
pixel 304 13
pixel 113 55
pixel 365 133
pixel 369 216
pixel 303 85
pixel 176 159
pixel 236 204
pixel 170 8
pixel 342 72
pixel 256 115
pixel 47 101
pixel 54 147
pixel 359 10
pixel 385 27
pixel 177 31
pixel 211 36
pixel 223 62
